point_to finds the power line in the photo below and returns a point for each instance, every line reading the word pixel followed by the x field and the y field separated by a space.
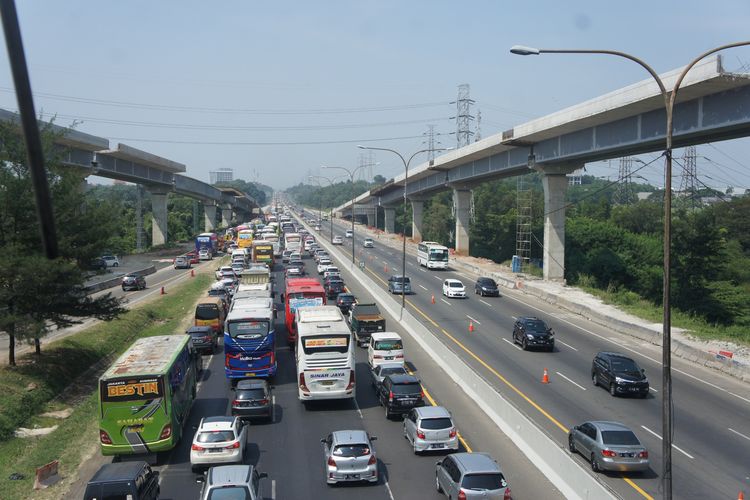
pixel 233 143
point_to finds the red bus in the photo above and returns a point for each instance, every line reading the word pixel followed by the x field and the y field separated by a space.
pixel 300 292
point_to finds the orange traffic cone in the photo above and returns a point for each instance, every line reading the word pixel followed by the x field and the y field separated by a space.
pixel 386 269
pixel 433 299
pixel 162 291
pixel 545 377
pixel 471 326
pixel 741 496
pixel 192 273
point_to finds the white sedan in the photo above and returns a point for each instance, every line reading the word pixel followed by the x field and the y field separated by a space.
pixel 323 264
pixel 218 440
pixel 453 288
pixel 337 240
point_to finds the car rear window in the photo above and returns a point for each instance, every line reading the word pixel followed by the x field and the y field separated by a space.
pixel 483 481
pixel 251 394
pixel 351 450
pixel 392 371
pixel 620 438
pixel 406 388
pixel 387 345
pixel 229 493
pixel 436 423
pixel 215 436
pixel 206 311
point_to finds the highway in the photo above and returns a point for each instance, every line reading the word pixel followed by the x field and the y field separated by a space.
pixel 289 448
pixel 711 455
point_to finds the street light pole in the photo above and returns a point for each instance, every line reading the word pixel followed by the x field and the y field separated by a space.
pixel 406 178
pixel 669 102
pixel 351 176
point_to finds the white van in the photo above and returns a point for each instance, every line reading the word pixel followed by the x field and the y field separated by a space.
pixel 385 347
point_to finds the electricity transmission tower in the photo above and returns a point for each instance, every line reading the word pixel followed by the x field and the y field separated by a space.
pixel 624 193
pixel 478 133
pixel 463 116
pixel 431 142
pixel 689 176
pixel 366 162
pixel 523 221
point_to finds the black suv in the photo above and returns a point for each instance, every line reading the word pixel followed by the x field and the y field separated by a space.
pixel 533 332
pixel 399 394
pixel 134 480
pixel 203 338
pixel 133 282
pixel 486 287
pixel 334 288
pixel 619 374
pixel 345 301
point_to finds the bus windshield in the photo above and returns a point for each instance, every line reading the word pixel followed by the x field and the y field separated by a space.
pixel 248 330
pixel 439 255
pixel 318 344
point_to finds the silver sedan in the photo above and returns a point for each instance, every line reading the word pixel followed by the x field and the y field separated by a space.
pixel 609 446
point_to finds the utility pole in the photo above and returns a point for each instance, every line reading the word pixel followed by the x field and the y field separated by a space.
pixel 138 218
pixel 463 116
pixel 523 220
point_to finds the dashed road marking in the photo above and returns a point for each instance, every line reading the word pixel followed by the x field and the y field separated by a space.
pixel 475 321
pixel 738 433
pixel 445 301
pixel 512 343
pixel 673 445
pixel 569 380
pixel 423 287
pixel 567 345
pixel 485 303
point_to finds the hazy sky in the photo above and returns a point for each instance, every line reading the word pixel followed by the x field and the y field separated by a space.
pixel 276 89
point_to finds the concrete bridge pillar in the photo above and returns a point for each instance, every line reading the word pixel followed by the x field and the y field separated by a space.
pixel 209 216
pixel 417 207
pixel 159 224
pixel 555 183
pixel 371 219
pixel 390 220
pixel 226 216
pixel 462 200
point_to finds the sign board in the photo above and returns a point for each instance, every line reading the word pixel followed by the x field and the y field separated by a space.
pixel 46 475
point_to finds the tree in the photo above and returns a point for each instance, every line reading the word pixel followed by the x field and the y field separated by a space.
pixel 37 293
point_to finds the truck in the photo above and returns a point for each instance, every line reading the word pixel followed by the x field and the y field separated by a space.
pixel 364 320
pixel 209 241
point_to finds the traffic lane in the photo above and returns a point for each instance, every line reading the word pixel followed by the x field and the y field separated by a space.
pixel 480 432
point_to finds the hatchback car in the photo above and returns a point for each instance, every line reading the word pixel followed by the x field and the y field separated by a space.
pixel 293 271
pixel 368 243
pixel 252 399
pixel 454 288
pixel 471 475
pixel 218 440
pixel 609 446
pixel 398 394
pixel 533 332
pixel 381 371
pixel 337 240
pixel 133 282
pixel 285 256
pixel 330 271
pixel 323 264
pixel 182 262
pixel 232 481
pixel 486 287
pixel 344 301
pixel 620 374
pixel 430 428
pixel 399 284
pixel 224 272
pixel 350 456
pixel 349 233
pixel 111 260
pixel 204 254
pixel 203 338
pixel 334 288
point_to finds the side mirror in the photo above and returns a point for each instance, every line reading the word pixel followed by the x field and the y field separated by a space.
pixel 323 440
pixel 155 474
pixel 262 475
pixel 200 479
pixel 373 438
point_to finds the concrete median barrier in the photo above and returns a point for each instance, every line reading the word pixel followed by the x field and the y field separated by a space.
pixel 113 282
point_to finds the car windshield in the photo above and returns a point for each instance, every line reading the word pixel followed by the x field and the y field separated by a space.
pixel 233 492
pixel 251 394
pixel 455 284
pixel 399 279
pixel 488 283
pixel 536 325
pixel 351 450
pixel 483 481
pixel 436 423
pixel 387 345
pixel 625 438
pixel 215 436
pixel 624 365
pixel 406 388
pixel 200 335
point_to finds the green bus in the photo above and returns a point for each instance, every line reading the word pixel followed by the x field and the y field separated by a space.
pixel 146 395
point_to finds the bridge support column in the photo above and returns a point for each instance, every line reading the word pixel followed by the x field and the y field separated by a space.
pixel 390 220
pixel 555 182
pixel 371 219
pixel 209 217
pixel 462 200
pixel 226 216
pixel 159 224
pixel 417 207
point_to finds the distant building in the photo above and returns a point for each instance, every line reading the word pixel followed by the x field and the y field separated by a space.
pixel 222 175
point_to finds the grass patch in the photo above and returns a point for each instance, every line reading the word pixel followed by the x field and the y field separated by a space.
pixel 61 363
pixel 632 303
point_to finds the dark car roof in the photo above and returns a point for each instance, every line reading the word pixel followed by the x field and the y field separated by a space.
pixel 346 296
pixel 119 471
pixel 403 379
pixel 485 279
pixel 200 329
pixel 608 354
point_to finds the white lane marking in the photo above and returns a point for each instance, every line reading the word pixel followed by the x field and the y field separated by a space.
pixel 358 410
pixel 738 433
pixel 485 303
pixel 422 287
pixel 475 321
pixel 514 318
pixel 652 389
pixel 273 408
pixel 623 346
pixel 385 262
pixel 388 489
pixel 567 345
pixel 569 380
pixel 512 343
pixel 273 489
pixel 437 278
pixel 445 301
pixel 673 445
pixel 423 270
pixel 411 264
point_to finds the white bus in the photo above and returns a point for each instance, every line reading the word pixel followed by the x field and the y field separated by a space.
pixel 324 354
pixel 293 242
pixel 432 255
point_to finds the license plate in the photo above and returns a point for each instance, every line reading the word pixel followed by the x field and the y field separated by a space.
pixel 628 455
pixel 214 450
pixel 250 374
pixel 352 476
pixel 327 382
pixel 135 428
pixel 388 357
pixel 438 445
